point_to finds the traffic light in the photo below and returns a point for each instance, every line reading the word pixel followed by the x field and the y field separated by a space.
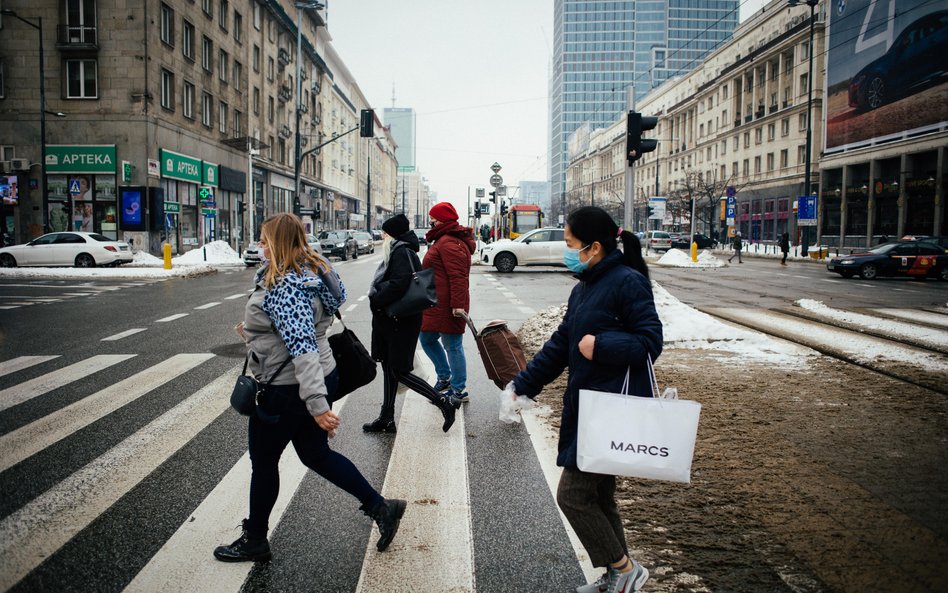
pixel 240 207
pixel 317 211
pixel 651 211
pixel 493 197
pixel 297 207
pixel 477 209
pixel 635 145
pixel 367 123
pixel 503 208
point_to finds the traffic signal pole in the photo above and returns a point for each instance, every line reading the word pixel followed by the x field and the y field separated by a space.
pixel 628 211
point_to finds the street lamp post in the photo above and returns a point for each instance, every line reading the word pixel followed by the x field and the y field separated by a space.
pixel 38 25
pixel 297 157
pixel 809 122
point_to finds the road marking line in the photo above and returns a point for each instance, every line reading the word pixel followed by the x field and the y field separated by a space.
pixel 507 294
pixel 124 334
pixel 182 562
pixel 207 306
pixel 351 307
pixel 828 280
pixel 544 441
pixel 864 284
pixel 10 307
pixel 22 362
pixel 436 530
pixel 172 317
pixel 804 277
pixel 77 293
pixel 13 396
pixel 362 298
pixel 36 531
pixel 34 437
pixel 527 310
pixel 235 296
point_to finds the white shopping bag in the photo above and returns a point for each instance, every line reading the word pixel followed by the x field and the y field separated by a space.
pixel 642 437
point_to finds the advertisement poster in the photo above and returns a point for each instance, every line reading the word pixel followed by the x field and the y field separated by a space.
pixel 8 190
pixel 131 209
pixel 885 70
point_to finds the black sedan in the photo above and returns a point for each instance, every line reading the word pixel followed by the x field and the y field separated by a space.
pixel 905 258
pixel 916 60
pixel 703 241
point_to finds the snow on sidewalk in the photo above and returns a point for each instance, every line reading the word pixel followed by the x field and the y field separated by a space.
pixel 923 335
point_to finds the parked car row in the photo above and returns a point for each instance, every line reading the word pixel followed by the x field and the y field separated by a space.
pixel 83 250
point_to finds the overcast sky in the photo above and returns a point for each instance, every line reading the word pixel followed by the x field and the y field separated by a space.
pixel 476 74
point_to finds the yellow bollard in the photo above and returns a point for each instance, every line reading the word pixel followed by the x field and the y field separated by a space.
pixel 694 251
pixel 166 249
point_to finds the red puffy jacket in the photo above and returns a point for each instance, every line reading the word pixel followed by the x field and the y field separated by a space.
pixel 450 247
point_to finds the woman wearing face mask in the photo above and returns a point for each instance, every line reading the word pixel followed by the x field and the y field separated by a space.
pixel 610 327
pixel 285 324
pixel 394 339
pixel 450 247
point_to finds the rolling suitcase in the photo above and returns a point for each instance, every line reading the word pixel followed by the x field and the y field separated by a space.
pixel 500 351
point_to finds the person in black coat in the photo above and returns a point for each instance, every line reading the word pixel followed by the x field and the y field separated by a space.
pixel 394 339
pixel 610 331
pixel 738 245
pixel 784 247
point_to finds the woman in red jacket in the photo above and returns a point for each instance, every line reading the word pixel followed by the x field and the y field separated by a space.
pixel 450 247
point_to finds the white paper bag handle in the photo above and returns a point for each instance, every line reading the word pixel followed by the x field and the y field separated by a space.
pixel 652 379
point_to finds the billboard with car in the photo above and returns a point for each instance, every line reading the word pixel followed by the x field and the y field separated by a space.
pixel 885 71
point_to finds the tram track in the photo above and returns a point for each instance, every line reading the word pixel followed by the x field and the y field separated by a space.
pixel 917 364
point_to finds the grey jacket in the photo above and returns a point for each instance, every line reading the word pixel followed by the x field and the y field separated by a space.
pixel 291 321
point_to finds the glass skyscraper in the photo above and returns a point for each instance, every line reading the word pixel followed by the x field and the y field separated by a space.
pixel 602 48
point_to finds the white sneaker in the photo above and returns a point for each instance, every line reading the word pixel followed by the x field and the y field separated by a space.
pixel 632 580
pixel 599 586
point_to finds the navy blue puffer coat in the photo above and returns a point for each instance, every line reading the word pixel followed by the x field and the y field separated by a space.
pixel 614 303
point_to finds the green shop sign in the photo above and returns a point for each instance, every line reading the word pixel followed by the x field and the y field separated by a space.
pixel 210 173
pixel 181 167
pixel 62 158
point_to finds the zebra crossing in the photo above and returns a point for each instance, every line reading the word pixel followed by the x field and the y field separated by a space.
pixel 48 538
pixel 62 292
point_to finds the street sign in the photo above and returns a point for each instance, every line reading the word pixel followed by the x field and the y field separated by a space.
pixel 173 207
pixel 730 209
pixel 208 212
pixel 496 180
pixel 495 168
pixel 657 205
pixel 206 193
pixel 502 190
pixel 806 211
pixel 479 192
pixel 731 191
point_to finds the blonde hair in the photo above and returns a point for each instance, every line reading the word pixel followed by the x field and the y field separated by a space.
pixel 285 239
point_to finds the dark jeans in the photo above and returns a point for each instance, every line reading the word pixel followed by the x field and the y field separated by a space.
pixel 589 503
pixel 296 425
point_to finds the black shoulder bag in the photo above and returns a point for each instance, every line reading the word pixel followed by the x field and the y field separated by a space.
pixel 354 363
pixel 420 295
pixel 247 390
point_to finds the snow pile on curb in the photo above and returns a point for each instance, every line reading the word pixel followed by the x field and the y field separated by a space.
pixel 934 337
pixel 686 328
pixel 218 253
pixel 675 258
pixel 144 259
pixel 122 273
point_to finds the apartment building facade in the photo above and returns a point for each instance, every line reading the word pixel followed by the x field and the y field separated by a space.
pixel 737 120
pixel 186 109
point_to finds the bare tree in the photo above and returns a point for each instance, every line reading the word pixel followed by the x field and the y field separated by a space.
pixel 706 190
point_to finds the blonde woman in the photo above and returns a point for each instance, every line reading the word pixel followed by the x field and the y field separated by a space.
pixel 287 317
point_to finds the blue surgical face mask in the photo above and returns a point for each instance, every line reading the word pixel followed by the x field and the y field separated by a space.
pixel 572 261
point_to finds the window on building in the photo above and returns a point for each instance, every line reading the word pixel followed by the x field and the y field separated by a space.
pixel 237 128
pixel 758 135
pixel 801 155
pixel 238 27
pixel 701 131
pixel 724 92
pixel 270 146
pixel 167 90
pixel 167 25
pixel 207 54
pixel 187 100
pixel 207 109
pixel 2 90
pixel 802 122
pixel 785 126
pixel 770 161
pixel 757 165
pixel 282 153
pixel 734 168
pixel 223 7
pixel 187 40
pixel 804 50
pixel 257 12
pixel 270 68
pixel 723 147
pixel 223 63
pixel 747 139
pixel 238 74
pixel 256 101
pixel 784 158
pixel 746 167
pixel 81 79
pixel 270 109
pixel 724 117
pixel 256 58
pixel 737 143
pixel 771 131
pixel 803 87
pixel 723 172
pixel 222 115
pixel 208 7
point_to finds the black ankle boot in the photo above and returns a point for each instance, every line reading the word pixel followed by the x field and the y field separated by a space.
pixel 387 515
pixel 449 406
pixel 245 549
pixel 380 424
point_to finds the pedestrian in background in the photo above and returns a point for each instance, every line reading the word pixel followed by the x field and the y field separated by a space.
pixel 450 247
pixel 784 247
pixel 609 332
pixel 738 246
pixel 394 339
pixel 295 295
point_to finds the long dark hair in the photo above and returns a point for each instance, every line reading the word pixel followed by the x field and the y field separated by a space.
pixel 590 224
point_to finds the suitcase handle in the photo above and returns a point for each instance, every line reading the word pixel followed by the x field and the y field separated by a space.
pixel 470 323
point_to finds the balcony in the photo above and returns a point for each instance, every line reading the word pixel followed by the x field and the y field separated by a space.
pixel 760 111
pixel 285 94
pixel 285 131
pixel 748 119
pixel 316 86
pixel 73 38
pixel 283 56
pixel 737 122
pixel 773 108
pixel 304 108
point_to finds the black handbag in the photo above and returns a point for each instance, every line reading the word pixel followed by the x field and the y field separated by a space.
pixel 420 295
pixel 247 390
pixel 353 362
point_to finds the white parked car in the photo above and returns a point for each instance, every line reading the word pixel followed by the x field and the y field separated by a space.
pixel 540 247
pixel 658 240
pixel 83 250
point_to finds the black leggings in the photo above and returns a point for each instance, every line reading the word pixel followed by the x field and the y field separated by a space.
pixel 392 378
pixel 296 425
